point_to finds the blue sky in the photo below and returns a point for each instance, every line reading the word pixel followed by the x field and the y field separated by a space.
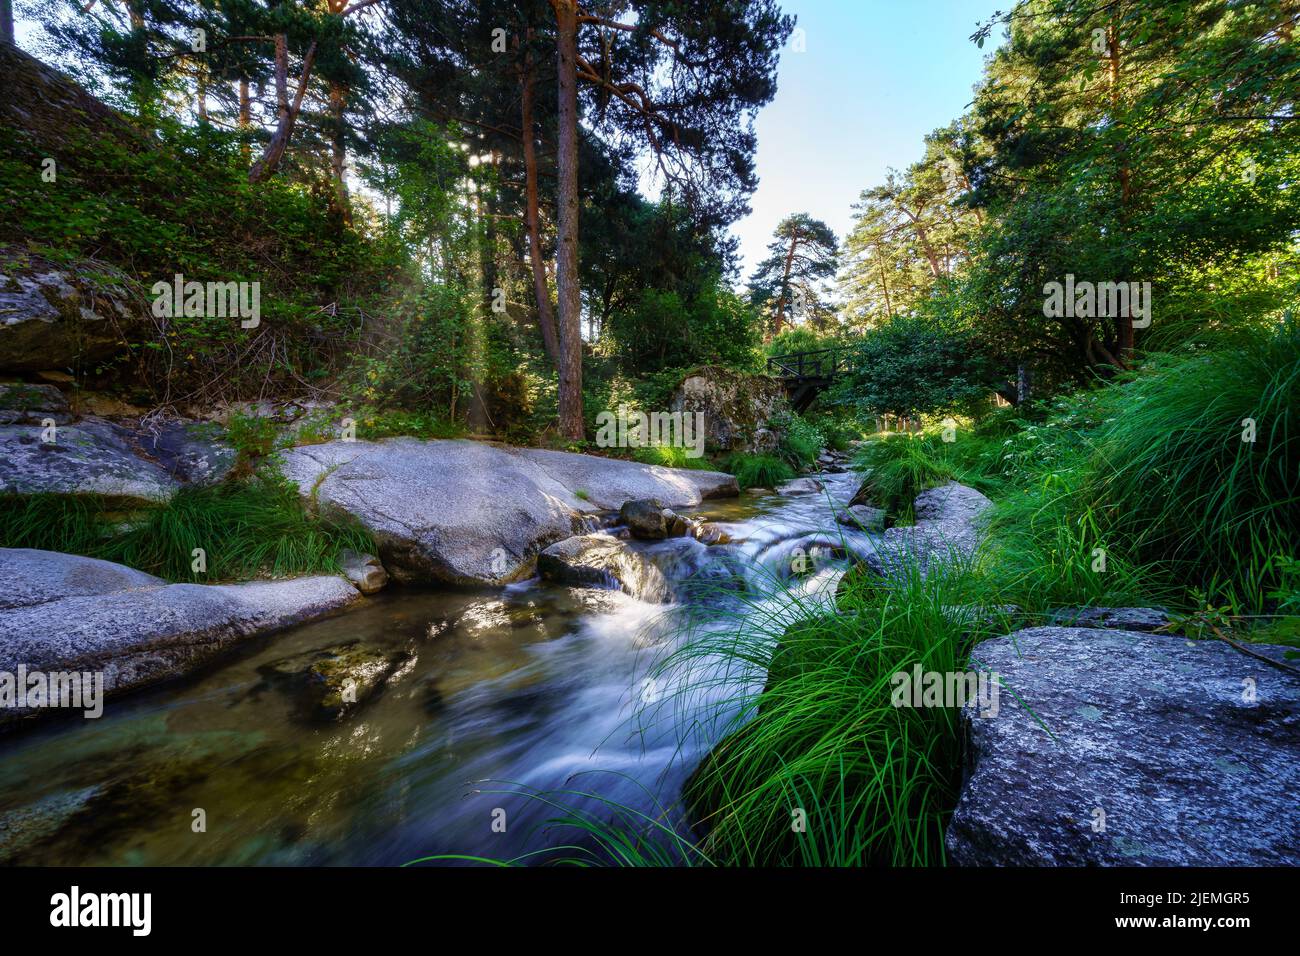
pixel 876 77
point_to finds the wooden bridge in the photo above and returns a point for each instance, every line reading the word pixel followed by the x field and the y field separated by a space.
pixel 807 374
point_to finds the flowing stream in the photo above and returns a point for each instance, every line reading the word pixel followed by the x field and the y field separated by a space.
pixel 537 686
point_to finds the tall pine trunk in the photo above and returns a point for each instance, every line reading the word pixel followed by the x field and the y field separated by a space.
pixel 339 158
pixel 286 112
pixel 545 314
pixel 245 120
pixel 570 299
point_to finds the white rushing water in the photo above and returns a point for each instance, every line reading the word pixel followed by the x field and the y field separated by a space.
pixel 535 688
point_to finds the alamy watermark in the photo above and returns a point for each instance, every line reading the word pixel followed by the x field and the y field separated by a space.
pixel 208 300
pixel 26 690
pixel 628 429
pixel 960 689
pixel 1101 300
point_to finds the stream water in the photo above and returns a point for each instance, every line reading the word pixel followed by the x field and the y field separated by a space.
pixel 537 686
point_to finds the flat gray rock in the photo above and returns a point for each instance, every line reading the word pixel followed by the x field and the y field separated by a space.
pixel 1161 752
pixel 608 482
pixel 138 634
pixel 35 577
pixel 1115 618
pixel 800 486
pixel 191 452
pixel 467 512
pixel 24 404
pixel 92 457
pixel 947 528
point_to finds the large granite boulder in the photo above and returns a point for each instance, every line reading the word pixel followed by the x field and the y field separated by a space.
pixel 90 457
pixel 738 408
pixel 34 577
pixel 75 614
pixel 1129 748
pixel 473 513
pixel 862 517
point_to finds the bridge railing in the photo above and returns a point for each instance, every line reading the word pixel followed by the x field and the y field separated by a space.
pixel 820 363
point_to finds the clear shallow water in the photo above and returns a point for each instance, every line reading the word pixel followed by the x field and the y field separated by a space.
pixel 538 686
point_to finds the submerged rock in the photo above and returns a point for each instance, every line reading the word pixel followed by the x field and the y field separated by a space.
pixel 25 827
pixel 134 630
pixel 468 512
pixel 1124 748
pixel 800 486
pixel 706 532
pixel 336 680
pixel 599 561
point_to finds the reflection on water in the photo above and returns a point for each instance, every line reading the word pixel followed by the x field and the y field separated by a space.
pixel 537 685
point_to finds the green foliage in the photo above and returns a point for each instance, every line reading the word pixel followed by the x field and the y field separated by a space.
pixel 1173 478
pixel 247 529
pixel 1153 471
pixel 787 286
pixel 373 425
pixel 661 330
pixel 254 437
pixel 799 338
pixel 838 427
pixel 671 456
pixel 183 205
pixel 758 471
pixel 912 366
pixel 801 440
pixel 898 467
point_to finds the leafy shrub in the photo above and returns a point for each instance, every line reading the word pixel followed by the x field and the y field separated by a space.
pixel 1152 471
pixel 666 330
pixel 838 429
pixel 913 366
pixel 801 441
pixel 179 201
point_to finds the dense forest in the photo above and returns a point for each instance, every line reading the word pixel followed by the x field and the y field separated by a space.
pixel 501 221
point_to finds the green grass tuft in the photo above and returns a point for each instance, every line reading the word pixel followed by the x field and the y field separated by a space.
pixel 246 529
pixel 758 471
